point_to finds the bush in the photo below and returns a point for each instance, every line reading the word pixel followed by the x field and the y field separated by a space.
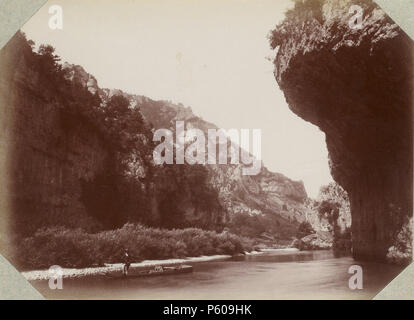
pixel 304 230
pixel 77 248
pixel 402 252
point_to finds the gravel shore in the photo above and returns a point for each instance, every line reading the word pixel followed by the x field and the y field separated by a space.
pixel 110 268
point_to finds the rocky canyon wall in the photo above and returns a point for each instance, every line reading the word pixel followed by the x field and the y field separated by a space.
pixel 356 85
pixel 47 152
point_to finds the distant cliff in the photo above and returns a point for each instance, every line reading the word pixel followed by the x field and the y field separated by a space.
pixel 266 193
pixel 356 85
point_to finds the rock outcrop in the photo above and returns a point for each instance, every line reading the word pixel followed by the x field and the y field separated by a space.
pixel 356 85
pixel 332 194
pixel 315 241
pixel 48 153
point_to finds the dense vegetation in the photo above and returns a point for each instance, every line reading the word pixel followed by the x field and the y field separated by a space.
pixel 77 248
pixel 305 17
pixel 254 226
pixel 304 230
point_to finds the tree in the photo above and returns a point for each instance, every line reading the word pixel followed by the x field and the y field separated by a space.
pixel 48 63
pixel 329 210
pixel 304 230
pixel 333 204
pixel 303 11
pixel 117 107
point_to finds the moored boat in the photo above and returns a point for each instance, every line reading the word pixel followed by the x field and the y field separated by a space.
pixel 156 271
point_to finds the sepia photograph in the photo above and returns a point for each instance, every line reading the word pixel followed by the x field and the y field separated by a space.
pixel 207 150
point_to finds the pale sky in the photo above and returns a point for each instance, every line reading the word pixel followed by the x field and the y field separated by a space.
pixel 207 54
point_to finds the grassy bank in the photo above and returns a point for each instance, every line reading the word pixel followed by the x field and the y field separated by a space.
pixel 76 248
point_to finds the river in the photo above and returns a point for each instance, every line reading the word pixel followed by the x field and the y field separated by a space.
pixel 272 275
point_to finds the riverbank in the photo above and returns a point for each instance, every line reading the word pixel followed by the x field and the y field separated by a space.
pixel 76 248
pixel 108 268
pixel 72 273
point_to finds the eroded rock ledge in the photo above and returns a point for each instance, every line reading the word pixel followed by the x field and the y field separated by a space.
pixel 356 85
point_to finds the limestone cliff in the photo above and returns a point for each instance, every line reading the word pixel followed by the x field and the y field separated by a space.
pixel 334 195
pixel 47 151
pixel 356 85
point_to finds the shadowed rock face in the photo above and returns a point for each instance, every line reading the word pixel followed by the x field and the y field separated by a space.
pixel 356 86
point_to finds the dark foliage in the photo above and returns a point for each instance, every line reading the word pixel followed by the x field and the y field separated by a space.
pixel 304 230
pixel 76 248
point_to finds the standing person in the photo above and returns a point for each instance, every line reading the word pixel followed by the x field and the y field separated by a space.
pixel 127 262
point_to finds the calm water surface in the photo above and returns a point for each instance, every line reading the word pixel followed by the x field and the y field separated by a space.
pixel 273 275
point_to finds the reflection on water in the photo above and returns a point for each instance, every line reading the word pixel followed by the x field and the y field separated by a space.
pixel 288 255
pixel 271 275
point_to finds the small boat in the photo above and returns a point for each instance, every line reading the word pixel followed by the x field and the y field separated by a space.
pixel 156 271
pixel 160 270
